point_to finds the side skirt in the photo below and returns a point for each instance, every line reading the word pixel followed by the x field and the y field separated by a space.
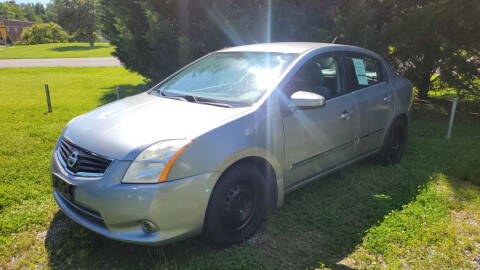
pixel 329 171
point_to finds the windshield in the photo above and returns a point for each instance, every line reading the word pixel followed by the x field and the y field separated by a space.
pixel 230 77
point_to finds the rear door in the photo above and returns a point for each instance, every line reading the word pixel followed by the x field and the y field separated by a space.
pixel 366 79
pixel 317 139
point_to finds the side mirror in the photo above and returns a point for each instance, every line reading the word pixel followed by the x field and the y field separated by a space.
pixel 307 100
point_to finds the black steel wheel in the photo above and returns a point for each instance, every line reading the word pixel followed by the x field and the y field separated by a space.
pixel 395 143
pixel 237 206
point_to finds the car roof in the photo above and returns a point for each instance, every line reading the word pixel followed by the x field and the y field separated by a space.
pixel 280 47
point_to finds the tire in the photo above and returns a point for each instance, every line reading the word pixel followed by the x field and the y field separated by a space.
pixel 237 206
pixel 395 143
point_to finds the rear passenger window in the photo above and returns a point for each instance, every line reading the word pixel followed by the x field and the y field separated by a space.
pixel 362 71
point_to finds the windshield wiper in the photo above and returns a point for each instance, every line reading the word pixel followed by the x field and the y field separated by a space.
pixel 189 98
pixel 192 98
pixel 213 102
pixel 177 97
pixel 219 104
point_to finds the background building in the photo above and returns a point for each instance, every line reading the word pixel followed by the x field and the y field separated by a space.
pixel 14 29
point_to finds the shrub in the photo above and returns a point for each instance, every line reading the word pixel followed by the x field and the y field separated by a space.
pixel 85 36
pixel 44 33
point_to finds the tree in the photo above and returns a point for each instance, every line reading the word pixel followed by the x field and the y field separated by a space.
pixel 31 14
pixel 50 13
pixel 421 38
pixel 461 70
pixel 27 12
pixel 155 38
pixel 78 17
pixel 36 12
pixel 43 33
pixel 10 10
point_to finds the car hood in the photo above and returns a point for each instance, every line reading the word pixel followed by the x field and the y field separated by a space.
pixel 120 130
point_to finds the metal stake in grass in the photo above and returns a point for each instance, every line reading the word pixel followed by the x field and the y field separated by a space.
pixel 452 115
pixel 47 92
pixel 118 93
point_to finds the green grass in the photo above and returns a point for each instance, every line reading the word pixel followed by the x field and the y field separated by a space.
pixel 421 213
pixel 56 50
pixel 27 132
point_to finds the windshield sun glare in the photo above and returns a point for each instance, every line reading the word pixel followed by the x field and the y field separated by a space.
pixel 231 77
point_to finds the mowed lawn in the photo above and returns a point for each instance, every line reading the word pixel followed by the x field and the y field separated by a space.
pixel 421 213
pixel 56 50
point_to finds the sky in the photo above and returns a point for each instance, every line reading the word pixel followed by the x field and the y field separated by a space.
pixel 28 1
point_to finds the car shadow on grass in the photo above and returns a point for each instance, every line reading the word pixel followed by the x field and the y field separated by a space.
pixel 77 48
pixel 319 225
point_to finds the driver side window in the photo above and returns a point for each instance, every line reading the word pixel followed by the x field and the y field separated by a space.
pixel 320 75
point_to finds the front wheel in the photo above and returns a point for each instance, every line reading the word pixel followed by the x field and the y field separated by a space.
pixel 237 206
pixel 395 143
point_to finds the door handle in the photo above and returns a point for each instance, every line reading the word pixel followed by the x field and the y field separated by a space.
pixel 346 115
pixel 387 98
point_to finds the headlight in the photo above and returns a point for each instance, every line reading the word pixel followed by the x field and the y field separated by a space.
pixel 154 163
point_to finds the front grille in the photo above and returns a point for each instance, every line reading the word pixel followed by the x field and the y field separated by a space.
pixel 81 162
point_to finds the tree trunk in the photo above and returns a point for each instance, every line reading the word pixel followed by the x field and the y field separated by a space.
pixel 424 87
pixel 422 93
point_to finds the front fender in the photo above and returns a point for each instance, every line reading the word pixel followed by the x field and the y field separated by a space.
pixel 255 134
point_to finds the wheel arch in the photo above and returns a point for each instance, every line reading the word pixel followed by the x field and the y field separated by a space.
pixel 382 154
pixel 263 160
pixel 401 116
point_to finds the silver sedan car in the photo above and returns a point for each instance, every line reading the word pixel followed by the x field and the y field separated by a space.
pixel 214 148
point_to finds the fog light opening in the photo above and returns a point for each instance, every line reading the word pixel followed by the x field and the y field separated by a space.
pixel 148 227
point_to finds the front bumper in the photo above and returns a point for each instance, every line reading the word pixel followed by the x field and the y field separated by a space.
pixel 106 206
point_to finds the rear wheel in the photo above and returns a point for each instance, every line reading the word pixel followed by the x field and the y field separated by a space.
pixel 395 143
pixel 237 206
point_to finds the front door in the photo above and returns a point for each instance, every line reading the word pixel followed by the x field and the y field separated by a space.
pixel 318 139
